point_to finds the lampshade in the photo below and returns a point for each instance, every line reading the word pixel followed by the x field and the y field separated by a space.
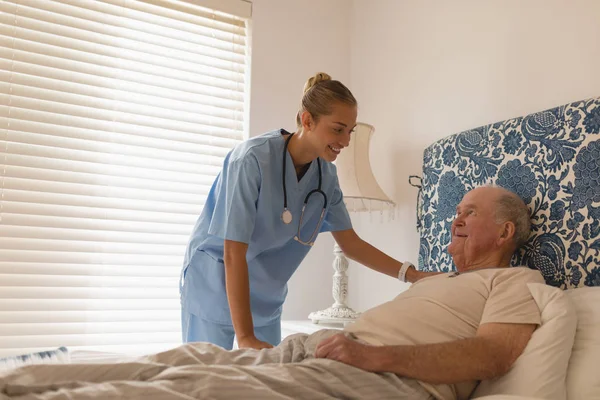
pixel 360 188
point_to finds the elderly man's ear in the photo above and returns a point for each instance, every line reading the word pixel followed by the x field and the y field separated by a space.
pixel 507 233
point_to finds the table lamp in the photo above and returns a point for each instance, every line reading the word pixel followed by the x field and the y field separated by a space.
pixel 361 193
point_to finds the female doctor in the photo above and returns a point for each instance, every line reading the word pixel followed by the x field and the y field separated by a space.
pixel 274 195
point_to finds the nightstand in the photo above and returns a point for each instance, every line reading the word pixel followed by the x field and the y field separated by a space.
pixel 291 327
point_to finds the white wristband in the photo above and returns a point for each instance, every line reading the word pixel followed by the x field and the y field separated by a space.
pixel 402 273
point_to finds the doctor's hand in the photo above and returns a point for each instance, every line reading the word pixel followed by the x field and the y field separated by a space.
pixel 343 349
pixel 251 342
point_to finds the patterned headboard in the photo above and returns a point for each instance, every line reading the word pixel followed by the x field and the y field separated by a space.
pixel 552 160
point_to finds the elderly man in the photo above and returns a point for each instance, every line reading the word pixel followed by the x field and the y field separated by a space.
pixel 433 341
pixel 450 330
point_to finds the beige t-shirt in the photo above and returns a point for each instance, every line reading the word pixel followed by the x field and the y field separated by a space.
pixel 444 308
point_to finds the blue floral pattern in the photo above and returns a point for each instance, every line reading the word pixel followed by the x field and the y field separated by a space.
pixel 552 160
pixel 520 178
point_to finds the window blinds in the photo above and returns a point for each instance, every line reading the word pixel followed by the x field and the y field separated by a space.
pixel 115 117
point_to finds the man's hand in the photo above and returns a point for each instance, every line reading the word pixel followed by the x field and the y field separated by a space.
pixel 251 342
pixel 341 348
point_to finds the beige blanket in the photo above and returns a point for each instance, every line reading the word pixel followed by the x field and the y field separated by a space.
pixel 205 371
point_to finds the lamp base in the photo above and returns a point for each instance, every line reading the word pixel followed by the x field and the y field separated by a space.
pixel 334 314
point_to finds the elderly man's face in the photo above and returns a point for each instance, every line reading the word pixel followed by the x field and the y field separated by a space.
pixel 475 232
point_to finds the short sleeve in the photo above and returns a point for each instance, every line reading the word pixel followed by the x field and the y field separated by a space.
pixel 337 218
pixel 510 300
pixel 236 201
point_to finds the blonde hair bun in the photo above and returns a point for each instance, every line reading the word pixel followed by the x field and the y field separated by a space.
pixel 320 93
pixel 316 78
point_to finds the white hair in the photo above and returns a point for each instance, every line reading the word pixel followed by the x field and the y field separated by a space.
pixel 510 207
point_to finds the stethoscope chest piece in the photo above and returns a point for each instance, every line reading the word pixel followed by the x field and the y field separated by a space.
pixel 286 216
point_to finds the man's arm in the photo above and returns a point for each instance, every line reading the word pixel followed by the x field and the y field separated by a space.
pixel 360 251
pixel 489 354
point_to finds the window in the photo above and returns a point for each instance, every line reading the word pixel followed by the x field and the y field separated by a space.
pixel 115 117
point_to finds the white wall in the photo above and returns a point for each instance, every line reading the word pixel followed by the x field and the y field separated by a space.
pixel 291 41
pixel 424 69
pixel 421 70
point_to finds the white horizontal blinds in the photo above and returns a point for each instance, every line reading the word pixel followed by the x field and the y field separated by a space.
pixel 115 117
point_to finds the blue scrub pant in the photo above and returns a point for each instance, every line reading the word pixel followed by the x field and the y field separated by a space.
pixel 195 329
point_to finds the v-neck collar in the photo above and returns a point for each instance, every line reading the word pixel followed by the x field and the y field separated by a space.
pixel 291 177
pixel 458 273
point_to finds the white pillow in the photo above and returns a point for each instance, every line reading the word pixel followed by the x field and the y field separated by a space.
pixel 583 378
pixel 541 369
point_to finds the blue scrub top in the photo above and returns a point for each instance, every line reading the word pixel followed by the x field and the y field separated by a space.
pixel 245 205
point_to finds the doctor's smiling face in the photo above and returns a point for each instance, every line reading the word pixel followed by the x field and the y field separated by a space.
pixel 330 133
pixel 326 119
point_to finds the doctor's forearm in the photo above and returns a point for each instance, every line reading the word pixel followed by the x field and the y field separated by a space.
pixel 373 258
pixel 237 285
pixel 381 262
pixel 238 295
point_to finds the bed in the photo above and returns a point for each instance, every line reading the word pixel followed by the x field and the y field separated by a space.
pixel 550 158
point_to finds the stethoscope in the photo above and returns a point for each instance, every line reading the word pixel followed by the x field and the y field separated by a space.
pixel 286 215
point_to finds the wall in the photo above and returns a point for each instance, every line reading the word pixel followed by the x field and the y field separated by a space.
pixel 424 69
pixel 421 70
pixel 290 42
